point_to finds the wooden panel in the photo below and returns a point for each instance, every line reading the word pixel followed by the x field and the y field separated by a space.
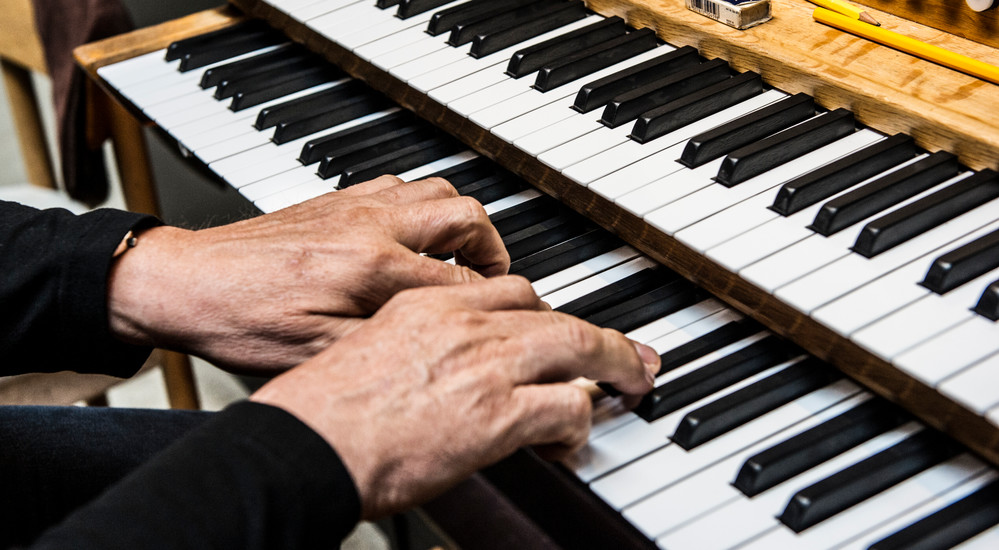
pixel 953 16
pixel 18 39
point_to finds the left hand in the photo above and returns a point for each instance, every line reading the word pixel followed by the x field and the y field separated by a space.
pixel 268 293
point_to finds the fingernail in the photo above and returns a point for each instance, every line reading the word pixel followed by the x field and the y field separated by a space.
pixel 650 358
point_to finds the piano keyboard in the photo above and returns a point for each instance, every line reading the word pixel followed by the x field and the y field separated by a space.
pixel 888 245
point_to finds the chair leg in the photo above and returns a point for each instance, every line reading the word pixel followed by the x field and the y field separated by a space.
pixel 130 152
pixel 28 121
pixel 179 378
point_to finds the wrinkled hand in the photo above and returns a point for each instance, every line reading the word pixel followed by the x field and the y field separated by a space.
pixel 443 381
pixel 268 293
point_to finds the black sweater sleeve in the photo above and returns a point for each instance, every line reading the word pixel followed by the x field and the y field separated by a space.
pixel 252 477
pixel 53 290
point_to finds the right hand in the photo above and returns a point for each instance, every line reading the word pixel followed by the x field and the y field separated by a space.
pixel 445 380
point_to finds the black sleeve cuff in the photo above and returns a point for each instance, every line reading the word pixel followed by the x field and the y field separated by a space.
pixel 252 477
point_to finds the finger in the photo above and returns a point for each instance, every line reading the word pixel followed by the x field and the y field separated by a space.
pixel 555 416
pixel 496 294
pixel 429 189
pixel 371 187
pixel 454 224
pixel 573 348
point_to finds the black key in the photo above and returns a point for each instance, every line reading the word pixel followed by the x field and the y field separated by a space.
pixel 565 255
pixel 467 172
pixel 256 64
pixel 729 333
pixel 543 235
pixel 725 414
pixel 950 526
pixel 400 161
pixel 409 8
pixel 345 111
pixel 618 291
pixel 988 304
pixel 315 150
pixel 642 310
pixel 886 191
pixel 599 92
pixel 695 106
pixel 963 264
pixel 528 60
pixel 744 130
pixel 493 187
pixel 360 151
pixel 308 79
pixel 253 82
pixel 579 64
pixel 752 160
pixel 230 47
pixel 866 478
pixel 554 17
pixel 306 106
pixel 525 214
pixel 442 21
pixel 385 4
pixel 205 41
pixel 926 213
pixel 714 377
pixel 841 174
pixel 500 17
pixel 814 446
pixel 627 106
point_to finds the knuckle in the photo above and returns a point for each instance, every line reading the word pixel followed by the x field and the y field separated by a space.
pixel 442 186
pixel 581 338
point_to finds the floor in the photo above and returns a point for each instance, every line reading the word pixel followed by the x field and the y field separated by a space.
pixel 215 387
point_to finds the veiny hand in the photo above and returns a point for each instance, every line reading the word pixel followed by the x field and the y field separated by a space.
pixel 443 381
pixel 267 293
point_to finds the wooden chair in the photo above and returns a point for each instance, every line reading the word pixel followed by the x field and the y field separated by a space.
pixel 21 54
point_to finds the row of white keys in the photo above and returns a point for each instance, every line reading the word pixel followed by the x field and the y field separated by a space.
pixel 744 519
pixel 811 253
pixel 583 270
pixel 697 206
pixel 854 270
pixel 358 37
pixel 560 297
pixel 640 437
pixel 527 103
pixel 921 488
pixel 709 485
pixel 307 12
pixel 974 387
pixel 777 233
pixel 492 65
pixel 630 166
pixel 672 464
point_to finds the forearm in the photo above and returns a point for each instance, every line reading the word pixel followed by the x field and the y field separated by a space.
pixel 53 312
pixel 253 477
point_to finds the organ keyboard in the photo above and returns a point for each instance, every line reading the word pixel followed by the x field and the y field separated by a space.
pixel 868 250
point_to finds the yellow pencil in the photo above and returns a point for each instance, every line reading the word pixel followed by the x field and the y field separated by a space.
pixel 839 6
pixel 910 46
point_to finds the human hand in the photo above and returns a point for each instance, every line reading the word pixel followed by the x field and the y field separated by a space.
pixel 443 381
pixel 268 293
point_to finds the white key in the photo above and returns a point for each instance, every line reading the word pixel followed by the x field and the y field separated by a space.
pixel 292 196
pixel 127 73
pixel 358 37
pixel 874 300
pixel 438 165
pixel 986 540
pixel 583 270
pixel 391 43
pixel 919 489
pixel 865 540
pixel 745 519
pixel 408 53
pixel 282 182
pixel 672 464
pixel 232 145
pixel 584 147
pixel 975 387
pixel 511 201
pixel 355 16
pixel 504 89
pixel 659 329
pixel 430 62
pixel 563 296
pixel 308 12
pixel 949 352
pixel 711 486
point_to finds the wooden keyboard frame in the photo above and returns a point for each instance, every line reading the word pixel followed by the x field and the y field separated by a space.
pixel 886 90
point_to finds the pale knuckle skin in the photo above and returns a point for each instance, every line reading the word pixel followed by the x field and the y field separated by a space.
pixel 442 186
